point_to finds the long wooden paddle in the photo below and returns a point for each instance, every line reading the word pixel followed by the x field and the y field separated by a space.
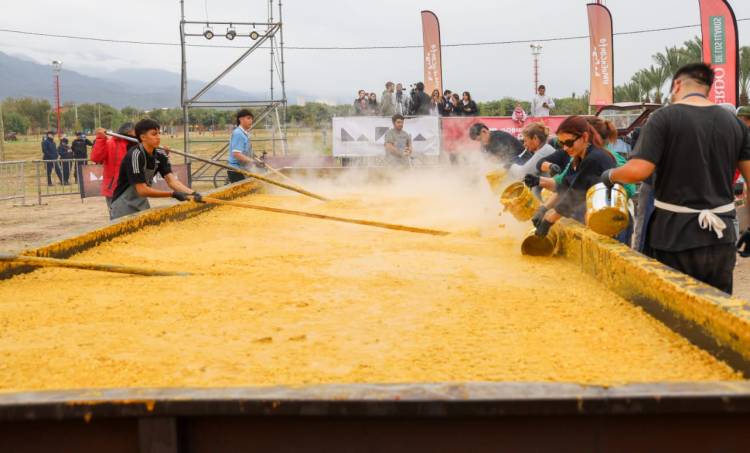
pixel 38 261
pixel 390 226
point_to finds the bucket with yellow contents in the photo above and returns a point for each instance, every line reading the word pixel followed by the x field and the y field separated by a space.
pixel 534 245
pixel 518 199
pixel 607 209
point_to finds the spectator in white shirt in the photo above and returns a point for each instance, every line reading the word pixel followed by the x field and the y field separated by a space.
pixel 542 104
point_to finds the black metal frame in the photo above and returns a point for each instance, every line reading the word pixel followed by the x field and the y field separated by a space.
pixel 363 417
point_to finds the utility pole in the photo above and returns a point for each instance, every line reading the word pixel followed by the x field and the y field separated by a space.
pixel 536 50
pixel 2 135
pixel 56 68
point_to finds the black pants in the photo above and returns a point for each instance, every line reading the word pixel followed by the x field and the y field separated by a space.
pixel 234 176
pixel 78 168
pixel 50 166
pixel 66 172
pixel 713 265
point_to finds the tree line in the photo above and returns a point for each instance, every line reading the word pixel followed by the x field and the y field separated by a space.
pixel 28 115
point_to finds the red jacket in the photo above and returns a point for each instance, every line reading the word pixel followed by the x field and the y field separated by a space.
pixel 109 151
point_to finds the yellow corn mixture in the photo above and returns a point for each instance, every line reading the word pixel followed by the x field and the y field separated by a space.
pixel 282 300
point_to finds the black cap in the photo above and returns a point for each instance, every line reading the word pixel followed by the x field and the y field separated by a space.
pixel 125 128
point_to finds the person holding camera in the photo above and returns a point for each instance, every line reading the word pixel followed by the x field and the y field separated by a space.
pixel 403 100
pixel 420 100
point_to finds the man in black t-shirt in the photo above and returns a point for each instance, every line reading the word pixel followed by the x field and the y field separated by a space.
pixel 694 147
pixel 137 171
pixel 501 145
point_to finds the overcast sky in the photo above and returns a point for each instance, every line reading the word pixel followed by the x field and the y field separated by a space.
pixel 489 72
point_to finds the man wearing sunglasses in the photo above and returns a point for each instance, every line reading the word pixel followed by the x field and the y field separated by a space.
pixel 694 146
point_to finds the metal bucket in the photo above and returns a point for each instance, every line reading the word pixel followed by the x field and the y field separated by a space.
pixel 518 199
pixel 534 245
pixel 607 209
pixel 495 179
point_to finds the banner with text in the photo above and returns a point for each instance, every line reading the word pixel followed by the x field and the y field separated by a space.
pixel 602 68
pixel 433 64
pixel 92 176
pixel 455 130
pixel 720 49
pixel 361 136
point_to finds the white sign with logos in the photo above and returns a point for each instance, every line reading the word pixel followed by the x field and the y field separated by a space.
pixel 363 136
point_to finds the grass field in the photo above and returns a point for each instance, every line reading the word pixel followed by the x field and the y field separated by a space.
pixel 300 141
pixel 28 149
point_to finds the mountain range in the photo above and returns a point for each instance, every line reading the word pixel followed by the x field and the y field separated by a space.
pixel 139 88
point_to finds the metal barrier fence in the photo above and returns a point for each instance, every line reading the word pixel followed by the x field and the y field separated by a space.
pixel 12 182
pixel 57 177
pixel 45 178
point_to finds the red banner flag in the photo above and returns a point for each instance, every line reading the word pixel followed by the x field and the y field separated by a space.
pixel 433 65
pixel 602 68
pixel 720 49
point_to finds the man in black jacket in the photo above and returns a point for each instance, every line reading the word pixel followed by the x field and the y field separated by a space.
pixel 420 104
pixel 66 155
pixel 80 151
pixel 49 154
pixel 500 145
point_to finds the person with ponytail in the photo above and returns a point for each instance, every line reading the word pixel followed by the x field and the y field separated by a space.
pixel 608 132
pixel 588 161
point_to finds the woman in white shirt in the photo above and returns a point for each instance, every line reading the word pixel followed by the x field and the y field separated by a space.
pixel 536 148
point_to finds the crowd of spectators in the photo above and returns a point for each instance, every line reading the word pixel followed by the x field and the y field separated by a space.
pixel 395 100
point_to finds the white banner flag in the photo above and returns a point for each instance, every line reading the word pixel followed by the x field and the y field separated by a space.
pixel 362 136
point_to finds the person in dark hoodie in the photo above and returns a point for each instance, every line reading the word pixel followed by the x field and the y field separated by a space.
pixel 65 154
pixel 80 151
pixel 49 154
pixel 420 101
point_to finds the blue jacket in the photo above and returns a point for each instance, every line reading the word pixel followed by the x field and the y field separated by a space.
pixel 49 150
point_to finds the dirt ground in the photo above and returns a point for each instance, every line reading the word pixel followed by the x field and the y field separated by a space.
pixel 29 226
pixel 23 227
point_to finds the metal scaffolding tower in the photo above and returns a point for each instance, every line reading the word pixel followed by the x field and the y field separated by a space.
pixel 273 109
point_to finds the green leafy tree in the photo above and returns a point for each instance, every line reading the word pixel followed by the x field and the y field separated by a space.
pixel 574 105
pixel 36 111
pixel 693 50
pixel 672 59
pixel 15 122
pixel 131 114
pixel 744 81
pixel 629 92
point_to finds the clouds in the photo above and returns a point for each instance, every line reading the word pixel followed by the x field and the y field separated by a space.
pixel 490 72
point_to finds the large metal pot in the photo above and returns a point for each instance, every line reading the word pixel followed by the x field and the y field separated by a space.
pixel 607 209
pixel 518 199
pixel 534 245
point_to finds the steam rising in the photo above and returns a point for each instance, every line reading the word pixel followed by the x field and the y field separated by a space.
pixel 456 198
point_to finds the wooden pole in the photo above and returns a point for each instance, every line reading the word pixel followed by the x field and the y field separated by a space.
pixel 390 226
pixel 2 134
pixel 230 168
pixel 38 261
